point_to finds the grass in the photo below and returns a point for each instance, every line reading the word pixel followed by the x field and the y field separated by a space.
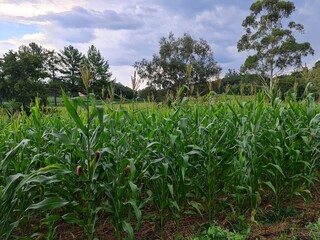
pixel 156 165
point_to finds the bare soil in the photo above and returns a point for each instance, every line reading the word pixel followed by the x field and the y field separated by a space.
pixel 285 227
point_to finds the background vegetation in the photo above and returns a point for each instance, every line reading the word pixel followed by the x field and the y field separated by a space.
pixel 187 149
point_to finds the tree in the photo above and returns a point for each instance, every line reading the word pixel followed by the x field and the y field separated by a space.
pixel 100 70
pixel 52 65
pixel 23 74
pixel 314 74
pixel 181 61
pixel 122 91
pixel 71 60
pixel 1 78
pixel 272 48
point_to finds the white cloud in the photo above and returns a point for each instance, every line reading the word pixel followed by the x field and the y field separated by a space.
pixel 127 31
pixel 13 43
pixel 13 9
pixel 122 74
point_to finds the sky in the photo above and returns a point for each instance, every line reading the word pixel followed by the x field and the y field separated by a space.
pixel 126 31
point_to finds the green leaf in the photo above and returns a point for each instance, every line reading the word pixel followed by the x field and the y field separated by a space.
pixel 170 187
pixel 49 203
pixel 107 150
pixel 151 144
pixel 172 139
pixel 278 168
pixel 14 151
pixel 128 229
pixel 50 219
pixel 12 183
pixel 63 138
pixel 196 206
pixel 136 210
pixel 270 185
pixel 72 218
pixel 73 113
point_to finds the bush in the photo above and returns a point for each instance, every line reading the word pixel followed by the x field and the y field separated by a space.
pixel 218 233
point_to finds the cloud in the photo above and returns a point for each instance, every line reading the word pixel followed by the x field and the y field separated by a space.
pixel 127 31
pixel 13 43
pixel 79 17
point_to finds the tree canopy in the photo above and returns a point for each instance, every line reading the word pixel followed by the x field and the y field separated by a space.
pixel 34 71
pixel 71 60
pixel 272 47
pixel 181 61
pixel 100 70
pixel 22 74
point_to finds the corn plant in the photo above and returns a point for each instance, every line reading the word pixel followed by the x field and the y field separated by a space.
pixel 157 164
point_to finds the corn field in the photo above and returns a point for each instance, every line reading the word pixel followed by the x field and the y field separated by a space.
pixel 200 158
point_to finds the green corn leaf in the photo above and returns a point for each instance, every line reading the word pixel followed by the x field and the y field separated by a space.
pixel 175 204
pixel 13 181
pixel 133 187
pixel 194 152
pixel 100 112
pixel 50 219
pixel 128 229
pixel 14 151
pixel 107 150
pixel 183 123
pixel 49 203
pixel 73 113
pixel 278 168
pixel 315 120
pixel 94 139
pixel 165 167
pixel 196 206
pixel 151 144
pixel 132 166
pixel 136 210
pixel 184 100
pixel 270 185
pixel 63 138
pixel 172 139
pixel 73 219
pixel 170 187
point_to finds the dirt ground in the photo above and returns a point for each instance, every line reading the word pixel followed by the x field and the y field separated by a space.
pixel 284 226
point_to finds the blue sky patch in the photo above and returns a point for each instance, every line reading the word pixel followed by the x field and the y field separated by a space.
pixel 16 30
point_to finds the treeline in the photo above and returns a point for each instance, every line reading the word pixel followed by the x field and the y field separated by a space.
pixel 34 71
pixel 184 61
pixel 296 84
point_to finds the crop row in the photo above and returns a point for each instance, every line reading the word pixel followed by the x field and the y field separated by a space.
pixel 156 164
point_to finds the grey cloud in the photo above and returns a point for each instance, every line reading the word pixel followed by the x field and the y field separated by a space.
pixel 20 1
pixel 190 7
pixel 79 36
pixel 183 7
pixel 80 17
pixel 71 36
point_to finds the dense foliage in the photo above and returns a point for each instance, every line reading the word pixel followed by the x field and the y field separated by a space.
pixel 272 48
pixel 34 71
pixel 204 158
pixel 181 61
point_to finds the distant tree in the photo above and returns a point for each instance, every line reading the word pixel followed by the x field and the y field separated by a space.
pixel 317 65
pixel 231 73
pixel 181 61
pixel 315 78
pixel 100 69
pixel 272 48
pixel 23 74
pixel 55 82
pixel 124 91
pixel 71 59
